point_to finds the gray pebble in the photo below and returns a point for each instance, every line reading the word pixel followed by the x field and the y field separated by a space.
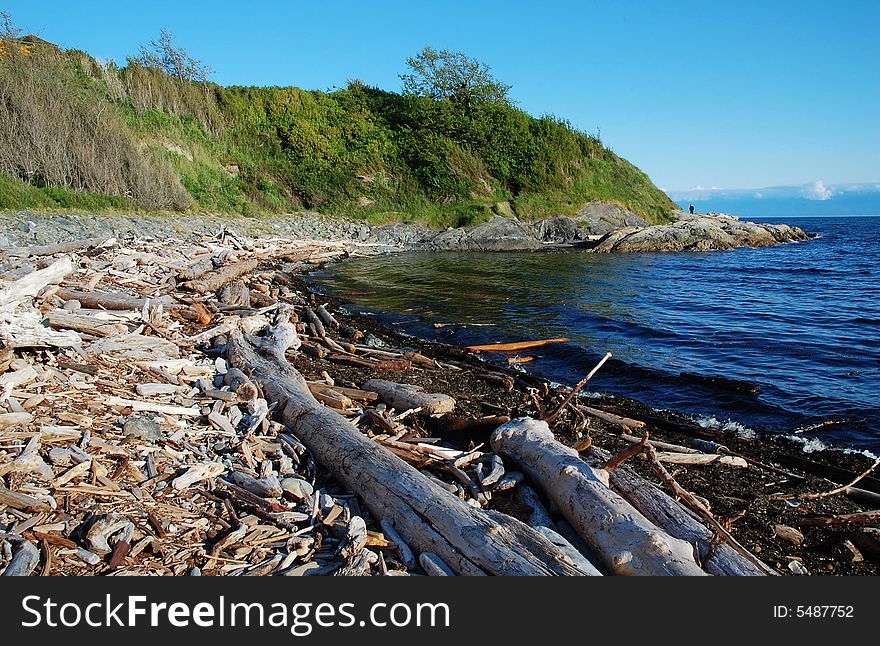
pixel 143 428
pixel 297 489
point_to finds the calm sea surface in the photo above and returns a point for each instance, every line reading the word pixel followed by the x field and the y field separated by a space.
pixel 801 320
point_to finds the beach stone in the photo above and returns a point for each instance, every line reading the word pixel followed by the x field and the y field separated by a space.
pixel 796 568
pixel 60 457
pixel 448 240
pixel 400 234
pixel 143 428
pixel 72 305
pixel 298 489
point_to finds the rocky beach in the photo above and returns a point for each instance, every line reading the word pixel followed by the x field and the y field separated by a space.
pixel 599 227
pixel 152 425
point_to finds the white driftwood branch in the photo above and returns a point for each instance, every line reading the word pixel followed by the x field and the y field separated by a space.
pixel 30 285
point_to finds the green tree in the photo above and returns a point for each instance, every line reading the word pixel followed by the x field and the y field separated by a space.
pixel 454 76
pixel 175 61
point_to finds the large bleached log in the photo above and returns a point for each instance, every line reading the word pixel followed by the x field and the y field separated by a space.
pixel 540 519
pixel 25 329
pixel 213 281
pixel 626 541
pixel 30 285
pixel 86 324
pixel 112 300
pixel 471 541
pixel 718 558
pixel 199 267
pixel 52 249
pixel 20 322
pixel 404 397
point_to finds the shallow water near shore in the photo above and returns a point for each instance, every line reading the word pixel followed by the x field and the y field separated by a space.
pixel 800 320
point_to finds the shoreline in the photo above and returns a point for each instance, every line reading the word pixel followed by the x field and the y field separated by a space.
pixel 600 228
pixel 486 391
pixel 707 419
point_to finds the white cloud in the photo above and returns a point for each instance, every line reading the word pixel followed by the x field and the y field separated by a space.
pixel 818 191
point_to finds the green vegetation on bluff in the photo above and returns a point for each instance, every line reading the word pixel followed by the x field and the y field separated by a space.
pixel 79 134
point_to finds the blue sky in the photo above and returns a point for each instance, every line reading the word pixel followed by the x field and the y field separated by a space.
pixel 728 94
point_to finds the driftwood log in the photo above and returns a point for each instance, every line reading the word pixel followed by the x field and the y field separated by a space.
pixel 21 324
pixel 403 397
pixel 213 281
pixel 112 300
pixel 626 541
pixel 717 557
pixel 61 320
pixel 470 541
pixel 25 560
pixel 198 267
pixel 52 249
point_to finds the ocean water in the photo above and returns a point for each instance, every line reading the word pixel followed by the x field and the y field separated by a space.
pixel 800 320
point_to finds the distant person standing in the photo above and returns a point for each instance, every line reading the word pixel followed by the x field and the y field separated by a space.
pixel 691 208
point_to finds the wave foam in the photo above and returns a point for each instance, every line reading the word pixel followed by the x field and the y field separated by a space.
pixel 728 426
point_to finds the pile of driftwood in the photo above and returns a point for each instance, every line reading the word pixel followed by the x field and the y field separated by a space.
pixel 151 423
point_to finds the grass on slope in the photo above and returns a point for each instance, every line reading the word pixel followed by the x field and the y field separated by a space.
pixel 78 134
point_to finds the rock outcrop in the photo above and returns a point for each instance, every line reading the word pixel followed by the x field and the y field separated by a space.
pixel 699 233
pixel 498 234
pixel 601 218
